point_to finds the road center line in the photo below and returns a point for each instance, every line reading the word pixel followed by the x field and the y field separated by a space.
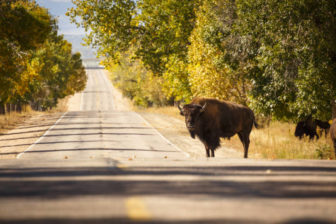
pixel 136 209
pixel 38 140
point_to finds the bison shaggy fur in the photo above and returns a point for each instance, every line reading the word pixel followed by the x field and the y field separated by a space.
pixel 324 126
pixel 306 127
pixel 210 119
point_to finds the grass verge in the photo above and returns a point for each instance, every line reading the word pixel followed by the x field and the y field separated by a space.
pixel 276 141
pixel 11 120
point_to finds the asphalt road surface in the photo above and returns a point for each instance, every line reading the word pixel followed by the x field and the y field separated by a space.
pixel 102 165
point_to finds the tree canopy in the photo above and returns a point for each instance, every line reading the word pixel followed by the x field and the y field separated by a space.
pixel 296 56
pixel 153 31
pixel 37 66
pixel 278 57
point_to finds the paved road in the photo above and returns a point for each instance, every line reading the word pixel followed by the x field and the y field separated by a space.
pixel 101 165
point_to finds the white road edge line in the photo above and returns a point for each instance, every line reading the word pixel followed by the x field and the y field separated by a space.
pixel 40 138
pixel 167 140
pixel 81 102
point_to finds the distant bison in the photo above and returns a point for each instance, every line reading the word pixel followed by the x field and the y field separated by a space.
pixel 333 133
pixel 324 125
pixel 306 127
pixel 210 119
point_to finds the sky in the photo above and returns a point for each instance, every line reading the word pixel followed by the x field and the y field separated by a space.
pixel 71 32
pixel 58 9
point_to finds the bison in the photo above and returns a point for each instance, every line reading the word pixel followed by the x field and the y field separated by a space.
pixel 306 127
pixel 210 119
pixel 333 133
pixel 324 126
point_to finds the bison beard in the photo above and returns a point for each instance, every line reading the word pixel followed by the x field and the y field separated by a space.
pixel 210 119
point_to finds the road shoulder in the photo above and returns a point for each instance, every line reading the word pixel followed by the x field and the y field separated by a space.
pixel 19 139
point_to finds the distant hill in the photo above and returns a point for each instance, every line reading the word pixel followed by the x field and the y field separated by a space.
pixel 77 41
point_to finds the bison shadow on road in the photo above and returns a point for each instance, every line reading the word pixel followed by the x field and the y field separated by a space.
pixel 219 186
pixel 57 183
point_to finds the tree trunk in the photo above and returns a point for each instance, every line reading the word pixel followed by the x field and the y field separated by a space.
pixel 6 108
pixel 333 114
pixel 2 109
pixel 10 108
pixel 19 107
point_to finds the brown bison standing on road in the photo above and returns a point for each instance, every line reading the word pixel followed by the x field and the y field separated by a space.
pixel 210 119
pixel 333 133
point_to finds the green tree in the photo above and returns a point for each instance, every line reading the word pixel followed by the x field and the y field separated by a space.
pixel 60 73
pixel 156 31
pixel 220 55
pixel 136 82
pixel 296 57
pixel 164 44
pixel 36 64
pixel 23 27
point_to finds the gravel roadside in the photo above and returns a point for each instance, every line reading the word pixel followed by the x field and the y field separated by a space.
pixel 19 139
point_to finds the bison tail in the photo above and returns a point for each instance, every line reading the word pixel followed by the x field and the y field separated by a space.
pixel 255 123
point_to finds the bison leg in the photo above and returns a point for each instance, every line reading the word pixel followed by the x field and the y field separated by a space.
pixel 245 139
pixel 211 144
pixel 212 153
pixel 326 133
pixel 246 146
pixel 312 136
pixel 207 151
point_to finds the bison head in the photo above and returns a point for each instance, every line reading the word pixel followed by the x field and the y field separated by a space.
pixel 300 130
pixel 191 112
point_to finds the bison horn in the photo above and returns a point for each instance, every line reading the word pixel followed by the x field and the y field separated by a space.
pixel 179 107
pixel 203 108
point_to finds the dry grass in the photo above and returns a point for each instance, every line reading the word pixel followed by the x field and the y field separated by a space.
pixel 62 105
pixel 276 141
pixel 169 111
pixel 11 120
